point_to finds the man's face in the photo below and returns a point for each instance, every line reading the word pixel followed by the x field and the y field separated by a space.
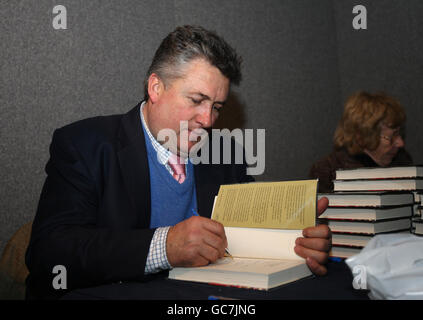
pixel 195 98
pixel 390 142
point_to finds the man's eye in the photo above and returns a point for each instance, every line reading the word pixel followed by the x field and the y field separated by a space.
pixel 217 108
pixel 195 101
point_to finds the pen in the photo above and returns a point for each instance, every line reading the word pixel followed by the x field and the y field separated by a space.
pixel 227 254
pixel 219 298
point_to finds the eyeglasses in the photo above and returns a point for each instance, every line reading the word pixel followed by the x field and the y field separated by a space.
pixel 392 139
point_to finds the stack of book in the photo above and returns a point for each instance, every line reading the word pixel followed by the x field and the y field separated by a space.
pixel 417 222
pixel 371 201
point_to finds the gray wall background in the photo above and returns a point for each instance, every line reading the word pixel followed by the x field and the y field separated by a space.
pixel 302 59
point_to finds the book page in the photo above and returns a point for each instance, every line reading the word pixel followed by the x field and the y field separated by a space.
pixel 263 266
pixel 275 205
pixel 262 243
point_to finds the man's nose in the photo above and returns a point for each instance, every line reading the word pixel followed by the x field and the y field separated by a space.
pixel 205 116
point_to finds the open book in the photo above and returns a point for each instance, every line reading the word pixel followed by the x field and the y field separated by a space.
pixel 262 222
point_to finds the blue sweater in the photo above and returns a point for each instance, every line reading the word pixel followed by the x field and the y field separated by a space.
pixel 171 202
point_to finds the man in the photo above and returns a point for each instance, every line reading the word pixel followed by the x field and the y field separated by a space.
pixel 118 206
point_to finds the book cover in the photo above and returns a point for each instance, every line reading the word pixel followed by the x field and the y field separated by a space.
pixel 368 198
pixel 380 173
pixel 372 227
pixel 378 185
pixel 261 274
pixel 366 213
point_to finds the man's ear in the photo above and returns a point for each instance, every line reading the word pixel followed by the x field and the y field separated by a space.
pixel 155 87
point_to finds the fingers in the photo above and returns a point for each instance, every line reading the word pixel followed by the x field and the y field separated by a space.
pixel 322 204
pixel 315 267
pixel 314 244
pixel 320 231
pixel 196 241
pixel 214 246
pixel 321 256
pixel 314 247
pixel 210 253
pixel 215 228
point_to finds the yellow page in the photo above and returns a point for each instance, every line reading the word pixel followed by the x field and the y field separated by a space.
pixel 274 205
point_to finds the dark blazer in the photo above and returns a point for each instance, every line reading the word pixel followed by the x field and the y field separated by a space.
pixel 94 211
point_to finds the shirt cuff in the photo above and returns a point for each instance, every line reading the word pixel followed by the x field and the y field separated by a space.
pixel 157 257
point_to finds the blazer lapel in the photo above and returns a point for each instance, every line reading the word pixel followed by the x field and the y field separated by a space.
pixel 133 163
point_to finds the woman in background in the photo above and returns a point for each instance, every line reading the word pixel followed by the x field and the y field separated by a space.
pixel 370 134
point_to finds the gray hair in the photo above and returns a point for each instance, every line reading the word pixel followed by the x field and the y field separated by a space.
pixel 187 43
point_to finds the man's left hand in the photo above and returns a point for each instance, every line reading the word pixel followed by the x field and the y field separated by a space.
pixel 316 244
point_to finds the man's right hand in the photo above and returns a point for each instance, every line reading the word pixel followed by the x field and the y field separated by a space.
pixel 195 242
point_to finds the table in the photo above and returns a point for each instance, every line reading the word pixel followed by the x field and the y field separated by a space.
pixel 336 285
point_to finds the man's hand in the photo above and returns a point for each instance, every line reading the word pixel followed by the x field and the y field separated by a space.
pixel 315 245
pixel 195 242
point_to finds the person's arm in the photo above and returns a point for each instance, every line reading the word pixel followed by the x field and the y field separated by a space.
pixel 65 230
pixel 157 256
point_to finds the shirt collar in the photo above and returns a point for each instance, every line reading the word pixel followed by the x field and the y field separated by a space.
pixel 163 154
